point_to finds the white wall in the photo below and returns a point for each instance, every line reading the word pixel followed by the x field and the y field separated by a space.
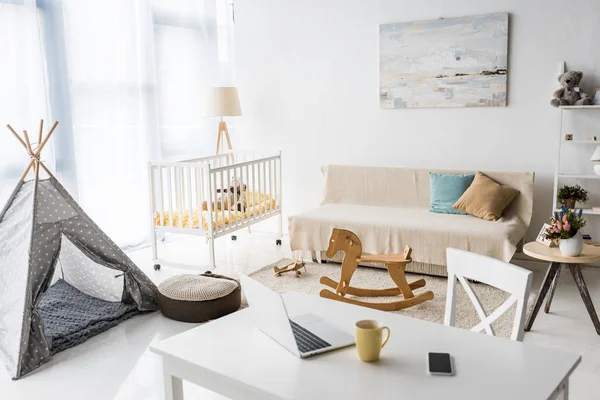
pixel 308 75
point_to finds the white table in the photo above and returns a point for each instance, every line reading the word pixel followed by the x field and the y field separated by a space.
pixel 231 357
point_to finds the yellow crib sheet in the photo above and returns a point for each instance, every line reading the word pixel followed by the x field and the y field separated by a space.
pixel 260 204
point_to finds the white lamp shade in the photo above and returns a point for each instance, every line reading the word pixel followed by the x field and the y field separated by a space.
pixel 596 155
pixel 222 102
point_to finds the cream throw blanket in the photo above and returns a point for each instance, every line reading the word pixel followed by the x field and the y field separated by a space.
pixel 388 208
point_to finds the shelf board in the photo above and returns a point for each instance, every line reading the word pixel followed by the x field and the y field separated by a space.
pixel 592 107
pixel 587 211
pixel 596 142
pixel 579 176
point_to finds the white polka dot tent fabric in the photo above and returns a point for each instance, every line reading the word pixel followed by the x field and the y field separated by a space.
pixel 46 237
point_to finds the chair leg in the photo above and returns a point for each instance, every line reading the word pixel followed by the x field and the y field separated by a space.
pixel 552 290
pixel 543 291
pixel 585 295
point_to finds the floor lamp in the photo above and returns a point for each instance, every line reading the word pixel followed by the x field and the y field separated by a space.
pixel 223 102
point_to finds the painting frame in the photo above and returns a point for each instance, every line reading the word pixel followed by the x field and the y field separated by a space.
pixel 444 63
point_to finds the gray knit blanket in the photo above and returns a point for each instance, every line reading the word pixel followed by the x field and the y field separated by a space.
pixel 71 317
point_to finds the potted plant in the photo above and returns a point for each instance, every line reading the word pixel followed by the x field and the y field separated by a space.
pixel 569 195
pixel 565 227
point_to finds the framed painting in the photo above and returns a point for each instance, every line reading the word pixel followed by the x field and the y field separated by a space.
pixel 453 62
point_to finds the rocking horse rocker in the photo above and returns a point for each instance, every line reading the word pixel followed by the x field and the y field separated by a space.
pixel 395 263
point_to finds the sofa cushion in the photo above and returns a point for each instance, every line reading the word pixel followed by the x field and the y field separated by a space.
pixel 486 198
pixel 446 189
pixel 386 230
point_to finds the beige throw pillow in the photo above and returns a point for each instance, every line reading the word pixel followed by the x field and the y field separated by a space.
pixel 485 198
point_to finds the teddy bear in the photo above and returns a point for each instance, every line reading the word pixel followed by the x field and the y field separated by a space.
pixel 227 201
pixel 570 94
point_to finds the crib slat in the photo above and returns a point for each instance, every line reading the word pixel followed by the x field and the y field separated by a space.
pixel 222 206
pixel 276 184
pixel 271 183
pixel 199 197
pixel 207 179
pixel 216 205
pixel 265 184
pixel 260 186
pixel 235 199
pixel 189 193
pixel 161 202
pixel 280 197
pixel 247 181
pixel 153 195
pixel 253 192
pixel 170 197
pixel 229 197
pixel 180 194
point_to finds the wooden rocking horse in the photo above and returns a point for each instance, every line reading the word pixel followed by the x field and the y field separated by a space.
pixel 395 263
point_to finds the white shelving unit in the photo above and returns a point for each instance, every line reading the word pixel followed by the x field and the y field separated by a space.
pixel 561 142
pixel 587 211
pixel 580 107
pixel 579 176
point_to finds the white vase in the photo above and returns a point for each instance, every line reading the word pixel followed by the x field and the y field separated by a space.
pixel 571 247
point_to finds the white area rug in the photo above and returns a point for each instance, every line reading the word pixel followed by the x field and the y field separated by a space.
pixel 373 278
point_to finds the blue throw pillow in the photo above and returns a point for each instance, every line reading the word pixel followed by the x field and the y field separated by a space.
pixel 446 189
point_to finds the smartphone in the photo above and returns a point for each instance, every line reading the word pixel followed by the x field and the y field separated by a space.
pixel 440 364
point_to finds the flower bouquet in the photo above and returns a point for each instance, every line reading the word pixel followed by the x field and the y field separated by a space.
pixel 565 227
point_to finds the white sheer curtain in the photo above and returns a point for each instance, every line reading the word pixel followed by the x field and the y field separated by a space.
pixel 23 96
pixel 125 81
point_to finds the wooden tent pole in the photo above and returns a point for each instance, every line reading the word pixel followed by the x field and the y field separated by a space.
pixel 35 155
pixel 27 170
pixel 40 133
pixel 41 146
pixel 36 167
pixel 10 128
pixel 46 169
pixel 28 144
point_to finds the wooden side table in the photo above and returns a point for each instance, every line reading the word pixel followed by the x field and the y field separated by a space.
pixel 589 255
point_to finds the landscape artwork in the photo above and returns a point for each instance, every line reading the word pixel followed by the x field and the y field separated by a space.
pixel 454 62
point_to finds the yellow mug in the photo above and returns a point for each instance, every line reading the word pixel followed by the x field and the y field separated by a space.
pixel 369 335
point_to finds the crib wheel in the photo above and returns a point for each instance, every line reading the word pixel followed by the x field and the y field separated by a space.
pixel 278 242
pixel 157 267
pixel 233 237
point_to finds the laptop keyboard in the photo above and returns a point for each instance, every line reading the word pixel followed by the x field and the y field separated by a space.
pixel 306 340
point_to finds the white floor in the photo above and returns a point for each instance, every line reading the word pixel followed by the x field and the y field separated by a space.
pixel 118 365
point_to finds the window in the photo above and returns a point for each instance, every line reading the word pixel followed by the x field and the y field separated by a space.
pixel 125 79
pixel 192 49
pixel 22 86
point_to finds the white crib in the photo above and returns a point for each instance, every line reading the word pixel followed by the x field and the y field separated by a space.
pixel 184 197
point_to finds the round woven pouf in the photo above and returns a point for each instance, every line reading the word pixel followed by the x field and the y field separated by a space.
pixel 198 298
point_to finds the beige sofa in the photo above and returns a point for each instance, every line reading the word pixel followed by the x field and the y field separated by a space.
pixel 388 208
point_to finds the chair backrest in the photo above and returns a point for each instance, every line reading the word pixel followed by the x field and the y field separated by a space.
pixel 463 265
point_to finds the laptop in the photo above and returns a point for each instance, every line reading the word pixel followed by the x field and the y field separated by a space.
pixel 303 335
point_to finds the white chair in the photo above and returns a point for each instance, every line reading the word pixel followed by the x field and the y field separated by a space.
pixel 463 265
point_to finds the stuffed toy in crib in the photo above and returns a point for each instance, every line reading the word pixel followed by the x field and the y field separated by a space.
pixel 227 200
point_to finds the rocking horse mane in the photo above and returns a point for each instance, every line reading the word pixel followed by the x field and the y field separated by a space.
pixel 342 239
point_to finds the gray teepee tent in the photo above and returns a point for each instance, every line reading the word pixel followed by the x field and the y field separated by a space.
pixel 62 280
